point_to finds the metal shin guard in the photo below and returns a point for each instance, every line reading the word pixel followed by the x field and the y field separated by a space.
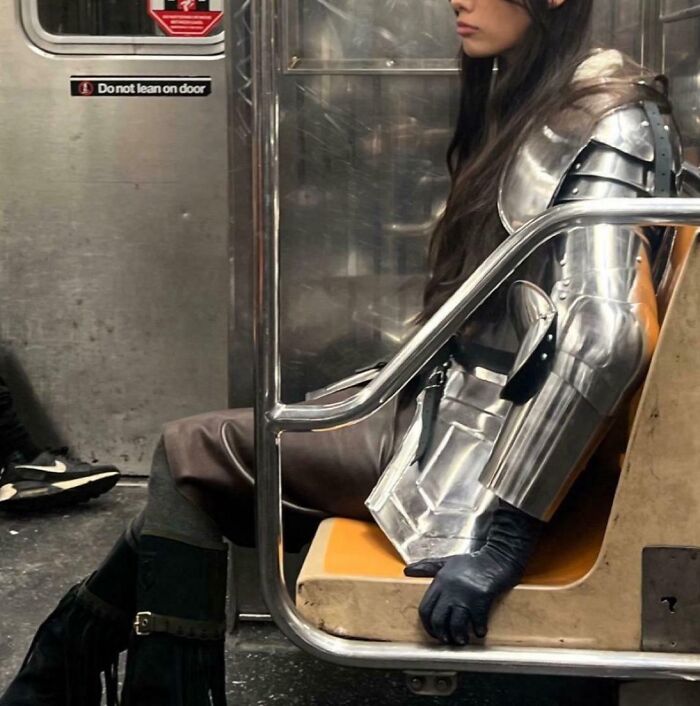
pixel 176 656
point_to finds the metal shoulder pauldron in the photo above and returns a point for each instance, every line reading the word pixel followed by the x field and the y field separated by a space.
pixel 614 158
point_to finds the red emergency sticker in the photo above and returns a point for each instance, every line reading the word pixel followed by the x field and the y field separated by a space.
pixel 186 18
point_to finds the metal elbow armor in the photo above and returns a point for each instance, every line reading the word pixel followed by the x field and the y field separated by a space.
pixel 606 330
pixel 584 314
pixel 602 285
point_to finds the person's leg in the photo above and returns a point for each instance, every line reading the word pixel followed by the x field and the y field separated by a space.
pixel 176 656
pixel 13 434
pixel 179 556
pixel 81 640
pixel 182 568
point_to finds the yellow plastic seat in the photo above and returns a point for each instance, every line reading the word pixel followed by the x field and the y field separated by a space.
pixel 583 585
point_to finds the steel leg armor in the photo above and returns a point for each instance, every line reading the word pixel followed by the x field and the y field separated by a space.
pixel 585 317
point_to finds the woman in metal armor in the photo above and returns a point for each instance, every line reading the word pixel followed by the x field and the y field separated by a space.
pixel 476 454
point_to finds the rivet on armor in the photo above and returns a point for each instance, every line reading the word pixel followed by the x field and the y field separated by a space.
pixel 645 123
pixel 563 296
pixel 550 338
pixel 575 190
pixel 640 259
pixel 566 282
pixel 544 356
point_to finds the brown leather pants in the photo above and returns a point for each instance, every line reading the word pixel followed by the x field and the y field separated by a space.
pixel 331 473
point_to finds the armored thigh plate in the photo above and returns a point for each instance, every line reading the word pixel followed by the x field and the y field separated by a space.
pixel 437 506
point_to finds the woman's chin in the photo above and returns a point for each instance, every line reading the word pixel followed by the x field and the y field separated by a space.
pixel 477 52
pixel 476 49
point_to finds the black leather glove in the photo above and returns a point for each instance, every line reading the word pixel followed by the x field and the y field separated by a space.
pixel 459 599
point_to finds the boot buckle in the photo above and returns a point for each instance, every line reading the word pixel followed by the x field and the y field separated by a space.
pixel 143 623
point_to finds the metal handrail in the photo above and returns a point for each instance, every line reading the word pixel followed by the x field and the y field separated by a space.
pixel 272 417
pixel 451 316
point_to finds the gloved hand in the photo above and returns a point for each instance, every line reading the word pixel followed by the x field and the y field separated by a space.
pixel 459 599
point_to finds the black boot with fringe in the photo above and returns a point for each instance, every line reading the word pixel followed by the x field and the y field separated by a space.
pixel 176 655
pixel 79 643
pixel 76 644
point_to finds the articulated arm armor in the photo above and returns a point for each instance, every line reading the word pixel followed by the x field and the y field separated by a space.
pixel 600 281
pixel 584 313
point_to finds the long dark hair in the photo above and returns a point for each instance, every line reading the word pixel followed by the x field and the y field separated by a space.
pixel 494 117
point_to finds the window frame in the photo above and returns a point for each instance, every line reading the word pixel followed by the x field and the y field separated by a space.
pixel 668 15
pixel 71 44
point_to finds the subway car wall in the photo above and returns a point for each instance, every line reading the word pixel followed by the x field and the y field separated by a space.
pixel 127 291
pixel 115 231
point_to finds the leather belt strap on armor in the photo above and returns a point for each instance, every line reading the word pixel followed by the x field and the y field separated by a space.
pixel 663 162
pixel 147 623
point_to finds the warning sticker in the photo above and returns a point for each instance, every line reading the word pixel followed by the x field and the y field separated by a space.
pixel 140 86
pixel 186 18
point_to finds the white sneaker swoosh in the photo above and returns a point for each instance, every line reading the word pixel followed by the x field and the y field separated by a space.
pixel 7 491
pixel 58 467
pixel 68 484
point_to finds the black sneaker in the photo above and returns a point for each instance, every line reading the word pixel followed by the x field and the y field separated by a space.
pixel 52 479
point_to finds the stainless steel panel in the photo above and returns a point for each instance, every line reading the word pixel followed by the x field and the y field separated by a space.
pixel 114 250
pixel 237 22
pixel 682 66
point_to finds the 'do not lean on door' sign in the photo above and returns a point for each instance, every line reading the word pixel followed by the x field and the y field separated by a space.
pixel 186 18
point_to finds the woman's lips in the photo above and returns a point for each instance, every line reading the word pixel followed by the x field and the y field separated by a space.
pixel 465 30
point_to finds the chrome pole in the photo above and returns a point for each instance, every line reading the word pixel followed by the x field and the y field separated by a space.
pixel 265 195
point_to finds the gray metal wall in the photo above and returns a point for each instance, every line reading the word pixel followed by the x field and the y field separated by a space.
pixel 113 259
pixel 680 29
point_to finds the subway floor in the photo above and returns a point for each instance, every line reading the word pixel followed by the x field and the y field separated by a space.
pixel 42 555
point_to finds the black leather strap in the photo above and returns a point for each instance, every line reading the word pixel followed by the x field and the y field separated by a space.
pixel 147 623
pixel 471 356
pixel 434 389
pixel 664 178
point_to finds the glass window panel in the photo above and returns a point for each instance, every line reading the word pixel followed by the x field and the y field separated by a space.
pixel 387 29
pixel 363 178
pixel 101 17
pixel 405 31
pixel 682 66
pixel 673 6
pixel 618 25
